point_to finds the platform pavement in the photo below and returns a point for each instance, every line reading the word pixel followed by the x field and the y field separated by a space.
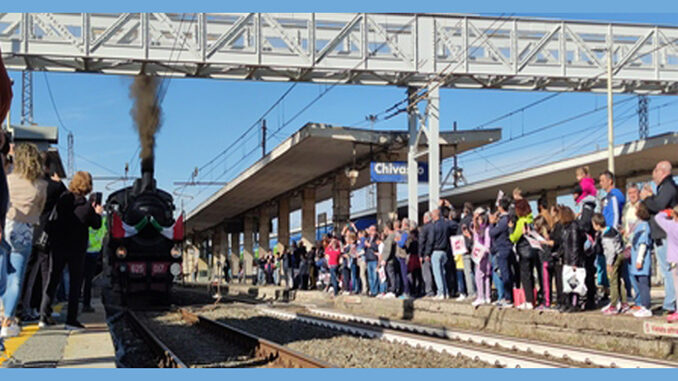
pixel 56 347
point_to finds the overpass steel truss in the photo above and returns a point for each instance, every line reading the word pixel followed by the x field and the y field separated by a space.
pixel 353 48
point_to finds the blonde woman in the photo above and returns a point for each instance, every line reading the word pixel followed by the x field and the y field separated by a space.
pixel 27 193
pixel 69 238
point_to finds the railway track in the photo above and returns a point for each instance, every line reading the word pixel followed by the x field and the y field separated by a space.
pixel 502 351
pixel 254 351
pixel 167 358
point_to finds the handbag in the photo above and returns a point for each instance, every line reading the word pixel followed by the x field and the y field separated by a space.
pixel 43 237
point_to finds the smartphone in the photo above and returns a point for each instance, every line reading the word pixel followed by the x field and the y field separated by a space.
pixel 98 198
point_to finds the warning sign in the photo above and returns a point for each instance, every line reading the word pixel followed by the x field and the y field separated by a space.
pixel 660 329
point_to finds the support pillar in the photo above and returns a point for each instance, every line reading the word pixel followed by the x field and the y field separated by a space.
pixel 433 117
pixel 412 178
pixel 551 198
pixel 387 207
pixel 308 217
pixel 620 183
pixel 264 230
pixel 283 223
pixel 341 202
pixel 248 245
pixel 235 254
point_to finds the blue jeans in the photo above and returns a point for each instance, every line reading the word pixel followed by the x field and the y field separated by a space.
pixel 354 276
pixel 627 280
pixel 4 263
pixel 438 260
pixel 372 278
pixel 669 287
pixel 601 271
pixel 496 278
pixel 634 285
pixel 461 286
pixel 333 279
pixel 20 241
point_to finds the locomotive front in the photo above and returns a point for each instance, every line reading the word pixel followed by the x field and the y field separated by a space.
pixel 144 238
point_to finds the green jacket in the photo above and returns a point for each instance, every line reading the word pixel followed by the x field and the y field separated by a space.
pixel 520 226
pixel 96 237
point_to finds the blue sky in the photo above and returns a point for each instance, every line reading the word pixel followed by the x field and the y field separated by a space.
pixel 201 117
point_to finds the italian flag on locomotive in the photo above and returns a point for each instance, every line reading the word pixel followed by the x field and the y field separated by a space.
pixel 123 230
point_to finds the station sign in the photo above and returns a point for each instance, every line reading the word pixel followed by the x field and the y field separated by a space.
pixel 395 172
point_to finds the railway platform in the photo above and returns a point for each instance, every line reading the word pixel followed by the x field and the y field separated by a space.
pixel 55 347
pixel 624 334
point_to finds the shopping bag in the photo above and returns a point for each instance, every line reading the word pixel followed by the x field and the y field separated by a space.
pixel 574 280
pixel 458 244
pixel 478 252
pixel 382 274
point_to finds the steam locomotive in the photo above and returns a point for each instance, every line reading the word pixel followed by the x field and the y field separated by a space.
pixel 143 245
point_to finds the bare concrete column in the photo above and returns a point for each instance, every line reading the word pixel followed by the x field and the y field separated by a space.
pixel 248 245
pixel 264 230
pixel 308 217
pixel 387 208
pixel 620 183
pixel 341 201
pixel 235 254
pixel 551 198
pixel 223 252
pixel 283 223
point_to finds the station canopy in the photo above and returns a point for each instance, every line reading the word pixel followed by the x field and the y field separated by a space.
pixel 633 159
pixel 312 156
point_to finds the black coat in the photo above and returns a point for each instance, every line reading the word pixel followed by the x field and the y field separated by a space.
pixel 557 238
pixel 70 232
pixel 572 241
pixel 666 198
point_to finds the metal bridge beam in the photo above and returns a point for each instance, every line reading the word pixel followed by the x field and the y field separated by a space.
pixel 369 49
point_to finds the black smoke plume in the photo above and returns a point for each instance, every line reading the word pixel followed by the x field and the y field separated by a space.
pixel 147 117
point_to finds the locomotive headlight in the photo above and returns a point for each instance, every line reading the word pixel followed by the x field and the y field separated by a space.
pixel 175 269
pixel 176 251
pixel 121 252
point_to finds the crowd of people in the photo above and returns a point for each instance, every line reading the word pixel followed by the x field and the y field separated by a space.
pixel 598 254
pixel 44 229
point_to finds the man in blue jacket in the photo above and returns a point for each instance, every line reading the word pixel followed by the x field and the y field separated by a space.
pixel 502 248
pixel 612 205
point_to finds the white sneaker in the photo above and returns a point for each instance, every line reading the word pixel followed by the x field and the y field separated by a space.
pixel 461 298
pixel 439 297
pixel 488 301
pixel 389 295
pixel 526 306
pixel 477 302
pixel 12 331
pixel 643 313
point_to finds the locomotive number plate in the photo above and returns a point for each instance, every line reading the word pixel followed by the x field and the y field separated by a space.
pixel 159 268
pixel 137 268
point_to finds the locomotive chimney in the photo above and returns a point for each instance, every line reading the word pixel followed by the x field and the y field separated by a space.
pixel 147 178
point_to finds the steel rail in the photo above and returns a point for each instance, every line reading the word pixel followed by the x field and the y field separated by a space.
pixel 578 354
pixel 168 359
pixel 489 355
pixel 277 354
